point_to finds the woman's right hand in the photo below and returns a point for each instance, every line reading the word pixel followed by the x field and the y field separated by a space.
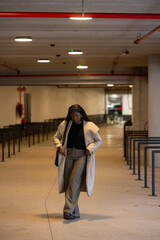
pixel 61 150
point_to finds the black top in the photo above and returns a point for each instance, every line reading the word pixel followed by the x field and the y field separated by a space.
pixel 76 137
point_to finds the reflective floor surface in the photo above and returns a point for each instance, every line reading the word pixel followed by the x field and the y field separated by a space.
pixel 119 209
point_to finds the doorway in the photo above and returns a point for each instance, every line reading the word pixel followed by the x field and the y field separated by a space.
pixel 118 107
pixel 114 107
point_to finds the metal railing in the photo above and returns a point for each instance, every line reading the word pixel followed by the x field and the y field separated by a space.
pixel 141 138
pixel 34 132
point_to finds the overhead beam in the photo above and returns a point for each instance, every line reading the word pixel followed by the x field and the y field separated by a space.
pixel 74 75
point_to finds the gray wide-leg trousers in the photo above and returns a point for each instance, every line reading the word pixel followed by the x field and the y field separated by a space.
pixel 74 170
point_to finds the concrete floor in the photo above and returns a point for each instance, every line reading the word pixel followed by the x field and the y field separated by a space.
pixel 119 208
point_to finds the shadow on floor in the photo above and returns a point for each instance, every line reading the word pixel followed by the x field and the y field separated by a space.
pixel 86 216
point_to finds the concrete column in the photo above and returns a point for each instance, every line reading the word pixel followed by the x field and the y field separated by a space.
pixel 154 95
pixel 140 100
pixel 154 99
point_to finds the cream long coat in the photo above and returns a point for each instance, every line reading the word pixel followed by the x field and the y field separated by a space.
pixel 92 142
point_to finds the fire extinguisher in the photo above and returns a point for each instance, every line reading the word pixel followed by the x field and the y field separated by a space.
pixel 19 110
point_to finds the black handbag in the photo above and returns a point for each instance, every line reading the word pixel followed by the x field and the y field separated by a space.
pixel 57 152
pixel 56 159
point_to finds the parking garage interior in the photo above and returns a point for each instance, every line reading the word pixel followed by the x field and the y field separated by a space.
pixel 110 65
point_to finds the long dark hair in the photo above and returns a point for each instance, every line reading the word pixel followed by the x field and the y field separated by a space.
pixel 77 108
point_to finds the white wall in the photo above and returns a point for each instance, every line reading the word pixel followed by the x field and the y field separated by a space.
pixel 9 97
pixel 127 104
pixel 50 102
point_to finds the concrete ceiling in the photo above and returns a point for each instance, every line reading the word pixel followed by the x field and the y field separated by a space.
pixel 102 40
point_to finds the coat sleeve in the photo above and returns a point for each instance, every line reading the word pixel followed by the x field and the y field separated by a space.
pixel 94 145
pixel 57 139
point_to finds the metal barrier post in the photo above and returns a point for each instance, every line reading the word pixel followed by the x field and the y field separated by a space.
pixel 130 134
pixel 153 174
pixel 153 171
pixel 33 134
pixel 145 163
pixel 47 129
pixel 38 133
pixel 49 125
pixel 43 131
pixel 3 144
pixel 134 162
pixel 19 140
pixel 130 165
pixel 145 168
pixel 13 141
pixel 15 134
pixel 135 137
pixel 139 163
pixel 21 127
pixel 29 140
pixel 26 131
pixel 150 141
pixel 9 154
pixel 153 140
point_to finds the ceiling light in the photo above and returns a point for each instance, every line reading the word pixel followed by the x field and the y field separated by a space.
pixel 75 52
pixel 82 67
pixel 23 39
pixel 43 60
pixel 83 18
pixel 110 85
pixel 114 96
pixel 80 18
pixel 130 86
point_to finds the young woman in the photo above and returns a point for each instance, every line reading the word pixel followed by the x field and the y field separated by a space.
pixel 76 163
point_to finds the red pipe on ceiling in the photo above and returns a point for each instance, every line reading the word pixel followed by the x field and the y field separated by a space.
pixel 147 35
pixel 70 14
pixel 77 75
pixel 11 68
pixel 118 59
pixel 121 56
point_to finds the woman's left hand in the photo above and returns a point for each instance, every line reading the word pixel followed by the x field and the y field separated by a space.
pixel 87 152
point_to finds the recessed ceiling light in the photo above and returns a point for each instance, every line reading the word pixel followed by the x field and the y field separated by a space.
pixel 82 67
pixel 43 60
pixel 52 44
pixel 23 39
pixel 114 96
pixel 80 18
pixel 75 52
pixel 110 85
